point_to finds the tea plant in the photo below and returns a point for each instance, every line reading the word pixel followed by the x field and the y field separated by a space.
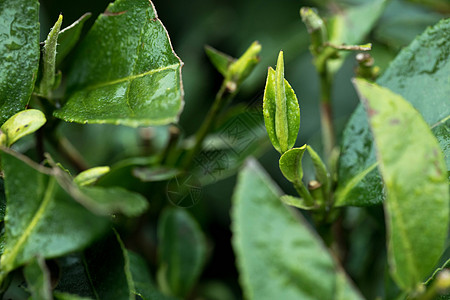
pixel 71 229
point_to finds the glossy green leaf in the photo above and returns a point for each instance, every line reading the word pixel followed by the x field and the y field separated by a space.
pixel 271 109
pixel 68 38
pixel 350 27
pixel 220 60
pixel 268 237
pixel 48 61
pixel 38 279
pixel 181 251
pixel 90 176
pixel 132 78
pixel 19 54
pixel 21 124
pixel 46 222
pixel 291 164
pixel 419 73
pixel 415 180
pixel 152 174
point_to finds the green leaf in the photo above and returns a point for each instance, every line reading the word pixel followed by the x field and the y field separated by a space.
pixel 19 54
pixel 49 59
pixel 181 251
pixel 90 176
pixel 110 200
pixel 415 181
pixel 68 38
pixel 38 279
pixel 66 296
pixel 45 222
pixel 296 202
pixel 21 124
pixel 117 273
pixel 268 237
pixel 282 121
pixel 422 67
pixel 220 60
pixel 291 164
pixel 240 69
pixel 350 27
pixel 2 200
pixel 132 78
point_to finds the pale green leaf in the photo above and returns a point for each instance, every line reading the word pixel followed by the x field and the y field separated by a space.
pixel 132 78
pixel 292 113
pixel 291 164
pixel 19 54
pixel 181 251
pixel 296 202
pixel 415 182
pixel 278 255
pixel 420 74
pixel 21 124
pixel 90 176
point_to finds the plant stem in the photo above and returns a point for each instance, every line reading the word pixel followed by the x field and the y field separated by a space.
pixel 223 97
pixel 326 112
pixel 304 193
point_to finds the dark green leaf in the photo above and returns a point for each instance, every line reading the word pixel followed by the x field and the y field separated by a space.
pixel 46 222
pixel 291 164
pixel 66 296
pixel 68 37
pixel 132 78
pixel 19 54
pixel 116 273
pixel 38 279
pixel 110 200
pixel 268 237
pixel 220 60
pixel 21 124
pixel 419 74
pixel 415 180
pixel 181 250
pixel 2 200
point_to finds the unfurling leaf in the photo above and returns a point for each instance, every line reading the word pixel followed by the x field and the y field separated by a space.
pixel 280 109
pixel 49 60
pixel 291 164
pixel 241 68
pixel 21 124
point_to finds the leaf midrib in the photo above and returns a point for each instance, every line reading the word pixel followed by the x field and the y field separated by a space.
pixel 131 77
pixel 8 260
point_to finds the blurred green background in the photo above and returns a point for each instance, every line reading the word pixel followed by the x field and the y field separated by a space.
pixel 231 26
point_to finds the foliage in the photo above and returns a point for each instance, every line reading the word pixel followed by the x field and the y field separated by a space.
pixel 109 191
